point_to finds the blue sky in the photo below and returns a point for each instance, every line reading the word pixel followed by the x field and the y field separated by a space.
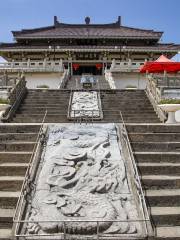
pixel 162 15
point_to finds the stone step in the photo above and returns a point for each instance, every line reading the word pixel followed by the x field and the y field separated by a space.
pixel 42 108
pixel 46 100
pixel 156 146
pixel 65 120
pixel 25 137
pixel 121 93
pixel 122 102
pixel 164 216
pixel 39 115
pixel 11 183
pixel 37 119
pixel 163 197
pixel 157 157
pixel 112 118
pixel 18 157
pixel 168 233
pixel 17 146
pixel 127 108
pixel 6 234
pixel 122 99
pixel 157 137
pixel 47 97
pixel 136 111
pixel 11 128
pixel 42 111
pixel 40 93
pixel 159 168
pixel 49 93
pixel 50 96
pixel 41 105
pixel 160 182
pixel 50 102
pixel 151 128
pixel 13 169
pixel 109 93
pixel 126 113
pixel 6 218
pixel 8 199
pixel 142 115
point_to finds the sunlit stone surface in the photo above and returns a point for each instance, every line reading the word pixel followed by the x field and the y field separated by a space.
pixel 85 104
pixel 83 177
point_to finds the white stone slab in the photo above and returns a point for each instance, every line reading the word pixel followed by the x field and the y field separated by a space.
pixel 85 104
pixel 84 180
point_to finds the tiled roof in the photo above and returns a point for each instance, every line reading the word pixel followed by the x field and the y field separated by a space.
pixel 86 31
pixel 157 47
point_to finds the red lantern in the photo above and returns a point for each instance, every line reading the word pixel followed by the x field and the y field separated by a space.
pixel 99 66
pixel 75 66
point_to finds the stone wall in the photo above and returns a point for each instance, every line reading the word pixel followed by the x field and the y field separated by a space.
pixel 122 80
pixel 50 79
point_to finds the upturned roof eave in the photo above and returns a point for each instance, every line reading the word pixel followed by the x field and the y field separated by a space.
pixel 86 37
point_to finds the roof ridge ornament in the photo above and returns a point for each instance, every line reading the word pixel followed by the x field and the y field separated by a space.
pixel 87 20
pixel 56 22
pixel 119 21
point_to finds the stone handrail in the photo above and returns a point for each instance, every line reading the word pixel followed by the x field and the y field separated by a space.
pixel 16 94
pixel 109 78
pixel 16 91
pixel 153 88
pixel 128 66
pixel 35 66
pixel 64 79
pixel 167 81
pixel 155 95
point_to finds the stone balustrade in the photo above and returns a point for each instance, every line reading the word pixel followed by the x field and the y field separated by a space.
pixel 64 79
pixel 155 95
pixel 32 66
pixel 109 78
pixel 128 66
pixel 15 95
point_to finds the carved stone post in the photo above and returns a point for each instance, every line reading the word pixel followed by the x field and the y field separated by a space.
pixel 5 78
pixel 44 63
pixel 129 63
pixel 28 63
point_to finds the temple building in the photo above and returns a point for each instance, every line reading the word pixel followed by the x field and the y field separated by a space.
pixel 87 48
pixel 89 134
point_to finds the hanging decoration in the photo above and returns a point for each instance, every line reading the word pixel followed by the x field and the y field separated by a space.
pixel 99 66
pixel 75 66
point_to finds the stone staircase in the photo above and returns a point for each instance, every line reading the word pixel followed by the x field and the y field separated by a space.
pixel 56 102
pixel 16 146
pixel 156 149
pixel 134 105
pixel 157 152
pixel 34 106
pixel 74 83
